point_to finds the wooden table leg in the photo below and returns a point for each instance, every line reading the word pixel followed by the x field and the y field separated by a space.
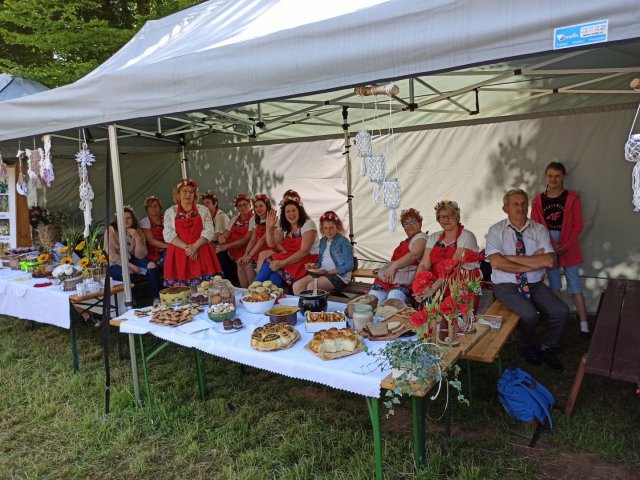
pixel 575 388
pixel 374 412
pixel 419 430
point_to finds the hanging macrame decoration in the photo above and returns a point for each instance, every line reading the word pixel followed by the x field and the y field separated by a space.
pixel 376 169
pixel 632 152
pixel 46 165
pixel 4 170
pixel 85 159
pixel 33 168
pixel 363 144
pixel 391 194
pixel 21 184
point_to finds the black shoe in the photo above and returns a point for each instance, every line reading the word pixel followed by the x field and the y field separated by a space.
pixel 585 335
pixel 94 319
pixel 548 357
pixel 530 354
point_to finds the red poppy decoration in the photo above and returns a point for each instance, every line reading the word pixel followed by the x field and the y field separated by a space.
pixel 448 305
pixel 463 307
pixel 422 280
pixel 330 215
pixel 446 267
pixel 468 298
pixel 472 257
pixel 418 319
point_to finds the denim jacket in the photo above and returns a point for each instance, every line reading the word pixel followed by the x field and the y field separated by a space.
pixel 341 252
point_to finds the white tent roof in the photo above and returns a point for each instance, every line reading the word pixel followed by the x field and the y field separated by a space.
pixel 226 53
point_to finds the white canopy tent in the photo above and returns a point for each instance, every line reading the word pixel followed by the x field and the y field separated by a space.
pixel 233 74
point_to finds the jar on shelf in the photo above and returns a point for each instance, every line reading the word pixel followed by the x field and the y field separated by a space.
pixel 222 291
pixel 362 314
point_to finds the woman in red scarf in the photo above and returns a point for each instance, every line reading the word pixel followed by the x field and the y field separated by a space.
pixel 408 253
pixel 298 236
pixel 188 231
pixel 257 242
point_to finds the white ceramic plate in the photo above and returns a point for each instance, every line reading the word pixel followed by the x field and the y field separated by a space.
pixel 218 327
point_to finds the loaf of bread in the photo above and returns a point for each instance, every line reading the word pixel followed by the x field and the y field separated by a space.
pixel 334 341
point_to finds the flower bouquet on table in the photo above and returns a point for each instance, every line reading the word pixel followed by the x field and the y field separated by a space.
pixel 94 261
pixel 465 289
pixel 68 274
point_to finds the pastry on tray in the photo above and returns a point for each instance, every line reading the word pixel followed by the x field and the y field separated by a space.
pixel 325 317
pixel 334 341
pixel 274 336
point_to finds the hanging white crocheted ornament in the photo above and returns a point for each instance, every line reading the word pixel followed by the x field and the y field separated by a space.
pixel 376 170
pixel 46 165
pixel 4 170
pixel 33 167
pixel 364 147
pixel 632 154
pixel 21 184
pixel 391 194
pixel 85 159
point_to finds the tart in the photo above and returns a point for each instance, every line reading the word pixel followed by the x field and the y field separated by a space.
pixel 274 336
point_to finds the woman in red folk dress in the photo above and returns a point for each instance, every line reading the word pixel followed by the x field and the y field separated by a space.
pixel 234 240
pixel 258 241
pixel 188 231
pixel 152 226
pixel 298 236
pixel 453 242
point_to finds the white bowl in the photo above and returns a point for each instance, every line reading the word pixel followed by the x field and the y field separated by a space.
pixel 289 301
pixel 259 307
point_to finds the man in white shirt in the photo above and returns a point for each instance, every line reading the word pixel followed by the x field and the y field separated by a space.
pixel 520 250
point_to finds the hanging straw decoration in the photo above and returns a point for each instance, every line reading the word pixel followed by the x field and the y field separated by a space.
pixel 4 170
pixel 363 144
pixel 46 165
pixel 21 184
pixel 391 187
pixel 632 154
pixel 33 167
pixel 85 159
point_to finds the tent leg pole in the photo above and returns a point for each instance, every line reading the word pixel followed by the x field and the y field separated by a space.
pixel 347 158
pixel 183 158
pixel 122 240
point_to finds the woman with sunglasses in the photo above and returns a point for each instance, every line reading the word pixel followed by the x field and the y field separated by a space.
pixel 452 242
pixel 188 232
pixel 234 241
pixel 408 253
pixel 258 242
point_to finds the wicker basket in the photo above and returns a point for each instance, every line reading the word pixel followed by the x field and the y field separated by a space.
pixel 14 262
pixel 69 284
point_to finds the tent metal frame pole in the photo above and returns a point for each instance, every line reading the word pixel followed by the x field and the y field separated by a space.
pixel 122 240
pixel 183 159
pixel 347 158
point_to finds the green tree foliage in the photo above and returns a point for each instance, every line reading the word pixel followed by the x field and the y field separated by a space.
pixel 58 41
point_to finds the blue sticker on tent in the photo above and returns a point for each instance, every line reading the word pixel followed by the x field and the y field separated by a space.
pixel 583 34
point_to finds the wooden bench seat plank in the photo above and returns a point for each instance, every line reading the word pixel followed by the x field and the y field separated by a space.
pixel 626 360
pixel 91 296
pixel 364 273
pixel 488 348
pixel 603 341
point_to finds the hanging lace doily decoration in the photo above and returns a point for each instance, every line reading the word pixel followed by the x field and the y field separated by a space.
pixel 4 170
pixel 21 184
pixel 85 159
pixel 632 154
pixel 33 167
pixel 377 169
pixel 46 165
pixel 392 199
pixel 363 144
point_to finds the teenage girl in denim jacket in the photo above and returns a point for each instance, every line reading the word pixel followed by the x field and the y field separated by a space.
pixel 335 263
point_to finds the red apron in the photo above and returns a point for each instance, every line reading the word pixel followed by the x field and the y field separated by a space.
pixel 154 253
pixel 182 270
pixel 238 231
pixel 291 245
pixel 261 232
pixel 400 251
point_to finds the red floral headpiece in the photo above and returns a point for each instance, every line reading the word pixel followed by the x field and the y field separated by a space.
pixel 330 215
pixel 262 198
pixel 211 195
pixel 410 212
pixel 150 199
pixel 187 182
pixel 446 203
pixel 240 197
pixel 291 196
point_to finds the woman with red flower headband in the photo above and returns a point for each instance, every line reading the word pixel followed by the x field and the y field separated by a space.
pixel 152 226
pixel 258 241
pixel 188 231
pixel 404 260
pixel 335 262
pixel 234 240
pixel 298 236
pixel 453 242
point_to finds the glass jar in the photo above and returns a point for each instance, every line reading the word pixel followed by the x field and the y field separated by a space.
pixel 222 291
pixel 362 314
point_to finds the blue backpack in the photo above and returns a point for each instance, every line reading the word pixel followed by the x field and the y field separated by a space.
pixel 524 398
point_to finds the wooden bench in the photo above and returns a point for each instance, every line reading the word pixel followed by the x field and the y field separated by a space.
pixel 488 349
pixel 354 288
pixel 615 344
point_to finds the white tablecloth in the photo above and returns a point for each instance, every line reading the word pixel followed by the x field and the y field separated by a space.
pixel 19 298
pixel 352 373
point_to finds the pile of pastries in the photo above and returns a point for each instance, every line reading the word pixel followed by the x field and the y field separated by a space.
pixel 274 336
pixel 313 317
pixel 265 287
pixel 166 315
pixel 257 297
pixel 334 340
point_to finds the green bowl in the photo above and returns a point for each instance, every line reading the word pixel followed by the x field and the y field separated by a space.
pixel 219 317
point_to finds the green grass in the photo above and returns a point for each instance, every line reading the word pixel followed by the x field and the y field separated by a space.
pixel 264 426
